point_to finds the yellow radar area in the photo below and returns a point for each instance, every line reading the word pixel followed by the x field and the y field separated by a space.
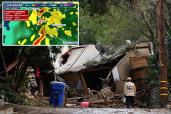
pixel 33 17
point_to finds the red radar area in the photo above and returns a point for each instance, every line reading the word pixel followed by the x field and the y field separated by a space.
pixel 16 15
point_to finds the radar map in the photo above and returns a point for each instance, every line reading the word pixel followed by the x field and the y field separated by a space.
pixel 40 23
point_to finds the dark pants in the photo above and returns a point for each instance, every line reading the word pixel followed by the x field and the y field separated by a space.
pixel 129 101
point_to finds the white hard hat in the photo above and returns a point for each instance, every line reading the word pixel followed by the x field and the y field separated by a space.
pixel 129 78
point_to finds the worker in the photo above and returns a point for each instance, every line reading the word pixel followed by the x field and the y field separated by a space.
pixel 129 92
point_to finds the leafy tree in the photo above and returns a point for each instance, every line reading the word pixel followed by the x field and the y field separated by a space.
pixel 112 27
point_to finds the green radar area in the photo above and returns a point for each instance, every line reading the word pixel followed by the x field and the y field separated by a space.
pixel 40 23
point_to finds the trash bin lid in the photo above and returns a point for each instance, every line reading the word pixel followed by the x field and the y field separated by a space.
pixel 56 82
pixel 57 85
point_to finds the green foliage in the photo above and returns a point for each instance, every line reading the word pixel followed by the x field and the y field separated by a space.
pixel 23 85
pixel 36 55
pixel 13 97
pixel 113 27
pixel 87 36
pixel 153 74
pixel 54 52
pixel 10 95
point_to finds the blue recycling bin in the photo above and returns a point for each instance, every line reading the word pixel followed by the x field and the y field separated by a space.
pixel 57 93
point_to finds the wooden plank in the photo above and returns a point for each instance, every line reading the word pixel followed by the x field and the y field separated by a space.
pixel 10 67
pixel 140 47
pixel 138 62
pixel 96 69
pixel 41 87
pixel 139 74
pixel 100 101
pixel 119 86
pixel 83 84
pixel 75 98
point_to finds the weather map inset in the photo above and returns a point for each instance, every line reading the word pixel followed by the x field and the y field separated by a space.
pixel 40 23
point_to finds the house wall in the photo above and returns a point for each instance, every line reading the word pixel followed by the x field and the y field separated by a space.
pixel 71 78
pixel 124 67
pixel 124 70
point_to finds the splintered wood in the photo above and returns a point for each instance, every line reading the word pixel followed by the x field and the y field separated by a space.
pixel 114 102
pixel 101 99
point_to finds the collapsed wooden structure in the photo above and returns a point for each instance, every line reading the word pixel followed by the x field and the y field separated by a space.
pixel 85 70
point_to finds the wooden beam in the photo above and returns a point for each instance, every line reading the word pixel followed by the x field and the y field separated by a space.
pixel 41 88
pixel 96 69
pixel 10 67
pixel 83 84
pixel 141 47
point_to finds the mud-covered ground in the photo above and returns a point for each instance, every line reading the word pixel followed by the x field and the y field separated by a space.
pixel 38 110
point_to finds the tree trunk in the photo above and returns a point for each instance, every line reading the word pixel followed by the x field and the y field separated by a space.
pixel 18 63
pixel 3 61
pixel 21 75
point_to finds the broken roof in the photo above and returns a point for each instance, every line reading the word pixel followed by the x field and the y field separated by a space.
pixel 78 58
pixel 82 58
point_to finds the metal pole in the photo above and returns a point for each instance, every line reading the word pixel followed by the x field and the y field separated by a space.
pixel 162 54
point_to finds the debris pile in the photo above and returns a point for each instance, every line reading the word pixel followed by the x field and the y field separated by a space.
pixel 98 99
pixel 101 84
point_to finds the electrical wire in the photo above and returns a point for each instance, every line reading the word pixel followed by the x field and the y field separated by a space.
pixel 77 58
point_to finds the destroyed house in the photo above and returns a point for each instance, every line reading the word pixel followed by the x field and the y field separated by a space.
pixel 83 68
